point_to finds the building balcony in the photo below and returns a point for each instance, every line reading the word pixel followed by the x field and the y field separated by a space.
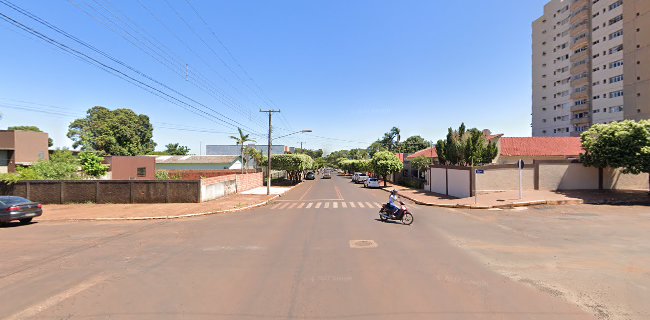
pixel 581 108
pixel 581 95
pixel 578 4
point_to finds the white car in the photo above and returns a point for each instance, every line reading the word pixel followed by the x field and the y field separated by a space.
pixel 372 183
pixel 361 178
pixel 355 177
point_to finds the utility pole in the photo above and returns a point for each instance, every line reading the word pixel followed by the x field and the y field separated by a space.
pixel 268 168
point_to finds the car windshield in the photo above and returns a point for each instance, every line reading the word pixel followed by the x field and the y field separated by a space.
pixel 363 174
pixel 12 201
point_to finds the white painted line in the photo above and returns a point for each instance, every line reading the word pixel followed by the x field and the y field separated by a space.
pixel 344 205
pixel 335 205
pixel 351 203
pixel 327 205
pixel 369 204
pixel 360 203
pixel 277 205
pixel 293 205
pixel 285 204
pixel 302 204
pixel 310 204
pixel 378 205
pixel 317 204
pixel 56 299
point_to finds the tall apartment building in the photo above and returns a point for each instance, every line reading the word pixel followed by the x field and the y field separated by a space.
pixel 591 64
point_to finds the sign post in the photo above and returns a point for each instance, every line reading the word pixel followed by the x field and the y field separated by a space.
pixel 520 165
pixel 477 171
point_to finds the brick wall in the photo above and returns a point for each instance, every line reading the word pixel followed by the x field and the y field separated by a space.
pixel 249 181
pixel 198 174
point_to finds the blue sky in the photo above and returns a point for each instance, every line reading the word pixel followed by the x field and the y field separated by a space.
pixel 348 70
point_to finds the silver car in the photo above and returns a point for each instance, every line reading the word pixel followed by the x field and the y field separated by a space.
pixel 17 208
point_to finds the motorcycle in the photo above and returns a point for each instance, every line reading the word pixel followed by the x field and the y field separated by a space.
pixel 402 214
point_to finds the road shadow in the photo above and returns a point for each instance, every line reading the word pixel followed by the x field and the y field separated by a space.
pixel 6 225
pixel 391 222
pixel 609 197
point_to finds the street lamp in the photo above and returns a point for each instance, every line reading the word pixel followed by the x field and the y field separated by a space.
pixel 268 168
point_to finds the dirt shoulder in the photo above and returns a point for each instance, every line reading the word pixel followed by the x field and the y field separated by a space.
pixel 93 211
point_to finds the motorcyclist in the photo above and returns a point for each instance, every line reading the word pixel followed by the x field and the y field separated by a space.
pixel 393 200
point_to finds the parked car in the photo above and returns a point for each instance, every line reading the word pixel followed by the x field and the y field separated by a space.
pixel 355 177
pixel 17 208
pixel 361 178
pixel 327 175
pixel 372 183
pixel 309 176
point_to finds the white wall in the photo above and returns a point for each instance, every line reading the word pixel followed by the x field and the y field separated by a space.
pixel 218 190
pixel 459 183
pixel 438 183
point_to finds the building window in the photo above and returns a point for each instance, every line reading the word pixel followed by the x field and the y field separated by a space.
pixel 615 34
pixel 142 172
pixel 616 64
pixel 615 4
pixel 615 19
pixel 615 109
pixel 616 78
pixel 615 94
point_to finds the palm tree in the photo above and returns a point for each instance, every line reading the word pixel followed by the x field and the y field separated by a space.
pixel 241 140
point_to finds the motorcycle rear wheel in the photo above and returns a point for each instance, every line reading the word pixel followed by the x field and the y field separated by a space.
pixel 407 219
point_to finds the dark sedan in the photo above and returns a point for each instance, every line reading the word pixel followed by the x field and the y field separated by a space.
pixel 17 208
pixel 310 176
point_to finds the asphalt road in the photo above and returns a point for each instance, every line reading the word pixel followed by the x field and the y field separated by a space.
pixel 293 259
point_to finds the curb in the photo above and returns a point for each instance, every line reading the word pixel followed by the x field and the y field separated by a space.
pixel 499 206
pixel 189 215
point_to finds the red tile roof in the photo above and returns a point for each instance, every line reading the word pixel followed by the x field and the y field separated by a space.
pixel 429 153
pixel 541 146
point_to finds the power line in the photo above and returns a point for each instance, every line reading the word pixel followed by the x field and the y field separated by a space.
pixel 106 67
pixel 155 47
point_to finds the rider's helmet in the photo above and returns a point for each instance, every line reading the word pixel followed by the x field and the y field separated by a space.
pixel 394 191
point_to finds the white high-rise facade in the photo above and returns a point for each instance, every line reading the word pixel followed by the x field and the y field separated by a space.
pixel 579 65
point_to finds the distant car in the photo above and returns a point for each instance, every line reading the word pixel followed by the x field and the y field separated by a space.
pixel 327 175
pixel 361 178
pixel 310 176
pixel 17 208
pixel 372 183
pixel 355 176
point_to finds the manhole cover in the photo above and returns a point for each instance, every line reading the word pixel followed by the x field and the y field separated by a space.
pixel 362 244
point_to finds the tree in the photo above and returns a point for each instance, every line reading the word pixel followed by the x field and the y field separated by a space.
pixel 384 163
pixel 466 147
pixel 255 155
pixel 414 144
pixel 50 142
pixel 294 164
pixel 421 163
pixel 624 145
pixel 175 149
pixel 92 164
pixel 315 154
pixel 241 140
pixel 391 140
pixel 120 132
pixel 62 166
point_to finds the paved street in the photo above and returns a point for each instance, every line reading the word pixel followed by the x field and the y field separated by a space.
pixel 294 259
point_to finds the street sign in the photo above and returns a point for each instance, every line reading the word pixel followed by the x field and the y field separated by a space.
pixel 521 164
pixel 479 171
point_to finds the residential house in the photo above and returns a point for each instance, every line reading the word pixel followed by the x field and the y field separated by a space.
pixel 198 162
pixel 21 148
pixel 235 150
pixel 131 168
pixel 529 149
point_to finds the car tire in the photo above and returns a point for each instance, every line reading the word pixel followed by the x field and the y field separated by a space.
pixel 25 221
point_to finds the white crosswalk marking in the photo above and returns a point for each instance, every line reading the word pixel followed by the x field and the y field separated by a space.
pixel 302 204
pixel 276 206
pixel 293 205
pixel 352 205
pixel 360 203
pixel 308 205
pixel 283 206
pixel 369 204
pixel 344 205
pixel 324 205
pixel 378 205
pixel 335 205
pixel 317 204
pixel 327 205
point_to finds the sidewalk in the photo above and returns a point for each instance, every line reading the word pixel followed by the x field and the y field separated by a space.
pixel 144 211
pixel 509 199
